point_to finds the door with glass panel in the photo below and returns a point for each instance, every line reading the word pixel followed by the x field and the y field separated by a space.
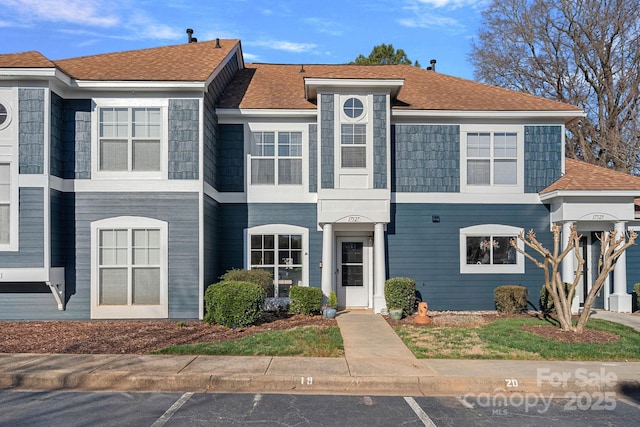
pixel 352 272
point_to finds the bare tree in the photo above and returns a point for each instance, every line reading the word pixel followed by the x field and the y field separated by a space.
pixel 611 247
pixel 582 52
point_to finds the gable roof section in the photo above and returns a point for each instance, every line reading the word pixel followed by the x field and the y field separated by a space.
pixel 275 86
pixel 183 62
pixel 582 176
pixel 30 59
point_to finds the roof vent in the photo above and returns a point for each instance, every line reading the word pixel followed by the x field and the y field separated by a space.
pixel 191 39
pixel 433 65
pixel 302 68
pixel 218 44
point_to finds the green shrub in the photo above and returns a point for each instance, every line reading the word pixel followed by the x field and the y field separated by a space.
pixel 636 289
pixel 234 303
pixel 305 300
pixel 332 301
pixel 400 292
pixel 510 298
pixel 546 301
pixel 263 278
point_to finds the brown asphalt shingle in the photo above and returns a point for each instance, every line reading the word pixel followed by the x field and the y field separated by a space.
pixel 274 86
pixel 580 175
pixel 30 59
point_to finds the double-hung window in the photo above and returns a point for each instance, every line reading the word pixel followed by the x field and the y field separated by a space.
pixel 492 159
pixel 130 139
pixel 276 158
pixel 353 133
pixel 130 265
pixel 5 203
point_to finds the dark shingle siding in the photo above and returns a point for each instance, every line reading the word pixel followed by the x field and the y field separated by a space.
pixel 542 157
pixel 327 142
pixel 31 130
pixel 230 171
pixel 380 141
pixel 313 158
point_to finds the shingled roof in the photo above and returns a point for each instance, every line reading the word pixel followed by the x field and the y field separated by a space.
pixel 581 176
pixel 183 62
pixel 274 86
pixel 30 59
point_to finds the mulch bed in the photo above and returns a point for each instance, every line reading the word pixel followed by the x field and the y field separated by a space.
pixel 132 337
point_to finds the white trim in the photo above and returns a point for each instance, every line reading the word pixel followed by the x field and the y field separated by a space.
pixel 604 194
pixel 24 274
pixel 9 151
pixel 124 185
pixel 467 198
pixel 497 230
pixel 201 209
pixel 97 104
pixel 137 85
pixel 518 188
pixel 279 229
pixel 311 85
pixel 130 311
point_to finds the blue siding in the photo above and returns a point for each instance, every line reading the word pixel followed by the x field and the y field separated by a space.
pixel 313 158
pixel 211 239
pixel 429 252
pixel 30 232
pixel 380 141
pixel 233 221
pixel 180 210
pixel 184 132
pixel 542 157
pixel 76 135
pixel 425 158
pixel 56 150
pixel 633 267
pixel 230 171
pixel 31 130
pixel 326 143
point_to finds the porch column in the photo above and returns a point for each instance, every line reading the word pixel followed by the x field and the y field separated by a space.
pixel 327 259
pixel 379 268
pixel 568 264
pixel 620 300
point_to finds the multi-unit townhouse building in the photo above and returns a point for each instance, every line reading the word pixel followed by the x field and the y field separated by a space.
pixel 131 181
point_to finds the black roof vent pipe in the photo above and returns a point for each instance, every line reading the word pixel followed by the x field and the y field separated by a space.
pixel 433 65
pixel 218 44
pixel 190 38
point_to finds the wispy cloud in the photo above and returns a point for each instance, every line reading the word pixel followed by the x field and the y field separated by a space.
pixel 283 45
pixel 84 12
pixel 437 13
pixel 452 4
pixel 250 57
pixel 326 26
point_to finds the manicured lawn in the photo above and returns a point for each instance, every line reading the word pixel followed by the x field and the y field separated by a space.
pixel 307 341
pixel 504 339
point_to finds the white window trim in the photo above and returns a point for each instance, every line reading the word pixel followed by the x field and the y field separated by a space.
pixel 277 190
pixel 163 105
pixel 490 230
pixel 341 118
pixel 130 311
pixel 498 128
pixel 9 155
pixel 279 229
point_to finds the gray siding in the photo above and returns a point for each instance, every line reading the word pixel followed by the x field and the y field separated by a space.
pixel 327 143
pixel 429 252
pixel 542 157
pixel 233 221
pixel 313 158
pixel 425 158
pixel 210 128
pixel 380 141
pixel 230 171
pixel 31 130
pixel 76 136
pixel 30 232
pixel 633 269
pixel 184 131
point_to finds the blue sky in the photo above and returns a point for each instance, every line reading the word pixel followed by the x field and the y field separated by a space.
pixel 280 31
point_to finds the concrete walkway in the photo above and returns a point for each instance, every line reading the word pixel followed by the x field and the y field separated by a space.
pixel 376 362
pixel 629 319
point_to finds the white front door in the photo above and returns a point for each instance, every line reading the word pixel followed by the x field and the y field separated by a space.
pixel 352 272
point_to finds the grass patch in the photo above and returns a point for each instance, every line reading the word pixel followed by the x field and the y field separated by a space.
pixel 308 341
pixel 504 339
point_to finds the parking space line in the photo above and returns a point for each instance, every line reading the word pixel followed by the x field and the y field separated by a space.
pixel 419 412
pixel 172 410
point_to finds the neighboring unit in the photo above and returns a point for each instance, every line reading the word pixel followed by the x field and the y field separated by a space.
pixel 131 181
